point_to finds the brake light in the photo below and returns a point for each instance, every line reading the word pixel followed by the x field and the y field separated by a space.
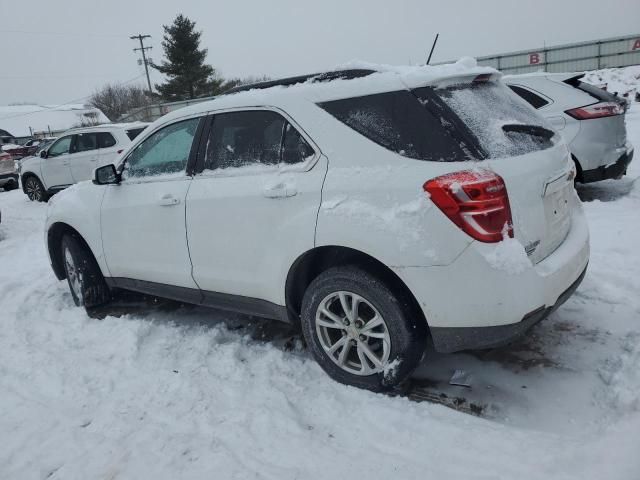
pixel 482 78
pixel 598 110
pixel 477 202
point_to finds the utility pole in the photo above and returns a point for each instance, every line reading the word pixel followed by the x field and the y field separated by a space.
pixel 143 49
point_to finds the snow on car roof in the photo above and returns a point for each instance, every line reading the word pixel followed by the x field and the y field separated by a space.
pixel 370 79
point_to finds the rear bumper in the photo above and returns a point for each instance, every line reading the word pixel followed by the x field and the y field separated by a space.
pixel 466 338
pixel 473 303
pixel 612 171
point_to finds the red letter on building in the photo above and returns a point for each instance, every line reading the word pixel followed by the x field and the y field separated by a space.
pixel 636 45
pixel 534 58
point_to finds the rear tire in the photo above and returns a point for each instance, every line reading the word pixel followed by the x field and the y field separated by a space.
pixel 87 285
pixel 35 190
pixel 375 345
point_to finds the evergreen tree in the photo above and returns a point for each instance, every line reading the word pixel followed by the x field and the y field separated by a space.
pixel 188 75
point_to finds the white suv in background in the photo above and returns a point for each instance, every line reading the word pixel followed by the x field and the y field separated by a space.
pixel 73 157
pixel 370 207
pixel 591 120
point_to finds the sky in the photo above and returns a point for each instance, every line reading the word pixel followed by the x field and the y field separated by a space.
pixel 62 51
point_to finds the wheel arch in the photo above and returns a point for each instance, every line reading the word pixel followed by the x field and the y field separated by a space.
pixel 26 175
pixel 315 261
pixel 54 245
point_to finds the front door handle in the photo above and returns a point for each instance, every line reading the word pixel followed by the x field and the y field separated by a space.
pixel 168 200
pixel 279 191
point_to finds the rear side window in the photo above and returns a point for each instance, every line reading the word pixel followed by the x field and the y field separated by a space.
pixel 105 140
pixel 85 142
pixel 134 132
pixel 295 149
pixel 258 137
pixel 501 125
pixel 398 122
pixel 536 101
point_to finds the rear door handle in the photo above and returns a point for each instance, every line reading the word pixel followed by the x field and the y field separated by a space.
pixel 280 191
pixel 167 200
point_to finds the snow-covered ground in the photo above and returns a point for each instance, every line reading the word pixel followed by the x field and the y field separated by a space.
pixel 165 391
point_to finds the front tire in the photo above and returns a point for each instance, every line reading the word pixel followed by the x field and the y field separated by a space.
pixel 87 285
pixel 35 190
pixel 359 331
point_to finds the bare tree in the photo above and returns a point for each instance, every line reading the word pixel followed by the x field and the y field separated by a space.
pixel 115 100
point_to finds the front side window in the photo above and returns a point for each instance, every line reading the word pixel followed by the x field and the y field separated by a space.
pixel 85 142
pixel 61 147
pixel 257 137
pixel 166 151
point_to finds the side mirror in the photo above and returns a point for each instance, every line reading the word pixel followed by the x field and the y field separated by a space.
pixel 106 175
pixel 44 154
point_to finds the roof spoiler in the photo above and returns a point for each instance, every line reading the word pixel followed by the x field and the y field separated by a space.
pixel 573 79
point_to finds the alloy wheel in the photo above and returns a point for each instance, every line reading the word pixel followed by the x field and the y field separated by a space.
pixel 353 333
pixel 73 275
pixel 34 191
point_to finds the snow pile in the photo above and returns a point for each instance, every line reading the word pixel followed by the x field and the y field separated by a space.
pixel 508 256
pixel 625 81
pixel 403 223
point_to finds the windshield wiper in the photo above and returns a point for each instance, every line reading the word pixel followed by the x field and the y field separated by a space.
pixel 535 130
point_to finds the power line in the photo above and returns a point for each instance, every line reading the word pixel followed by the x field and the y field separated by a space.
pixel 143 49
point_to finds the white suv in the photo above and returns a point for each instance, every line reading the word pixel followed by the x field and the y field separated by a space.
pixel 73 157
pixel 591 120
pixel 372 208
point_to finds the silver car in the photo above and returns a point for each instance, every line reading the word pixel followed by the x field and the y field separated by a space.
pixel 591 120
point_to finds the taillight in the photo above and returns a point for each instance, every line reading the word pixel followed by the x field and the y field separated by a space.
pixel 598 110
pixel 477 202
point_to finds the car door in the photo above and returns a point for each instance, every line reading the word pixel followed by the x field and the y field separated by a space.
pixel 143 217
pixel 252 209
pixel 55 168
pixel 84 156
pixel 108 148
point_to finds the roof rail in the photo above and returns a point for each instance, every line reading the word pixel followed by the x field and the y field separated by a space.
pixel 314 77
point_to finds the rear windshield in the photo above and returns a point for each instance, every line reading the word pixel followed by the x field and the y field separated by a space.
pixel 134 132
pixel 492 113
pixel 461 123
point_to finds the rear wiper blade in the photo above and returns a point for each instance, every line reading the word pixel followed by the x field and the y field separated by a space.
pixel 536 130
